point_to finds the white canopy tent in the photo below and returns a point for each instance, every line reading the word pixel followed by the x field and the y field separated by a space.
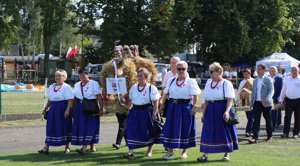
pixel 280 60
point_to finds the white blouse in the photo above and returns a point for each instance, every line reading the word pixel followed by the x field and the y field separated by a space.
pixel 217 93
pixel 142 98
pixel 60 93
pixel 90 90
pixel 186 91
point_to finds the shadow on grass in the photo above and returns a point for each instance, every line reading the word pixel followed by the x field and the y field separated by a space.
pixel 106 156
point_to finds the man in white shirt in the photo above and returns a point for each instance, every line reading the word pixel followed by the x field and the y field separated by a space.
pixel 290 93
pixel 172 72
pixel 249 114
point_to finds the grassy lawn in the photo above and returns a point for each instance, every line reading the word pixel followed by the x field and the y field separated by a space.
pixel 22 102
pixel 26 102
pixel 279 152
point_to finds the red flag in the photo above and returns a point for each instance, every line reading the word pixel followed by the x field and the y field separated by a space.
pixel 69 53
pixel 75 51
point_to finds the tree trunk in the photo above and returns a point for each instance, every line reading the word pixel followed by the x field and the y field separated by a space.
pixel 47 44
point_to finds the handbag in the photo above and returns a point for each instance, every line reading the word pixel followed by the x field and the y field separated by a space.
pixel 90 106
pixel 158 123
pixel 46 115
pixel 164 114
pixel 233 117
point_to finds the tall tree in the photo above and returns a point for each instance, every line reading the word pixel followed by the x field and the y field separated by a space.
pixel 53 13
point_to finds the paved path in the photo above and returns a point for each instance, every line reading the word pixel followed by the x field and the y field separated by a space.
pixel 32 138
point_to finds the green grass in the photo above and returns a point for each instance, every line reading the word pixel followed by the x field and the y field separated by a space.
pixel 22 102
pixel 278 152
pixel 27 102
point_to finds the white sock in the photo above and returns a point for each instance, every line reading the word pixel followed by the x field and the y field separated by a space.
pixel 130 151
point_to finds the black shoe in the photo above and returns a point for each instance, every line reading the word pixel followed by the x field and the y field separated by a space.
pixel 44 151
pixel 252 141
pixel 128 156
pixel 202 158
pixel 284 136
pixel 116 146
pixel 81 152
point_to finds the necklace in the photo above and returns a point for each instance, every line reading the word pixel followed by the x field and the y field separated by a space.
pixel 213 87
pixel 180 85
pixel 56 90
pixel 141 90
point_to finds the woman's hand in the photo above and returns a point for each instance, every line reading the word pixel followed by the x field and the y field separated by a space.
pixel 67 113
pixel 226 116
pixel 44 111
pixel 100 112
pixel 202 119
pixel 193 111
pixel 161 108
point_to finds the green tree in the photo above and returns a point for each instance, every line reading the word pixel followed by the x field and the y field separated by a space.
pixel 53 13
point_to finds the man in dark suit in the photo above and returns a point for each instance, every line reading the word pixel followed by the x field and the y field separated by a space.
pixel 277 81
pixel 262 102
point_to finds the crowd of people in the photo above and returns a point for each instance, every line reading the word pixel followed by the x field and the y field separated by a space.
pixel 269 91
pixel 69 123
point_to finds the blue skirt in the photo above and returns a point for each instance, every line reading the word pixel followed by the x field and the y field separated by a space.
pixel 139 128
pixel 179 130
pixel 216 136
pixel 58 128
pixel 85 127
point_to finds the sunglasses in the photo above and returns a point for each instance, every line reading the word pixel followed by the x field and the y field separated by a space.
pixel 212 71
pixel 181 69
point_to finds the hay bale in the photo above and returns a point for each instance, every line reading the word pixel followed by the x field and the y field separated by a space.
pixel 149 65
pixel 111 102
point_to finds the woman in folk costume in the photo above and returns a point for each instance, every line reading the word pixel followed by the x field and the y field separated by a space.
pixel 59 121
pixel 217 136
pixel 86 126
pixel 179 130
pixel 143 106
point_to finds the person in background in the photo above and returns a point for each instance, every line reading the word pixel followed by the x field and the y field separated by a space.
pixel 217 136
pixel 290 93
pixel 249 114
pixel 58 108
pixel 163 72
pixel 262 102
pixel 172 72
pixel 179 130
pixel 226 73
pixel 277 81
pixel 192 72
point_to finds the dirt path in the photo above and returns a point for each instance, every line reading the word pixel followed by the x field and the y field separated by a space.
pixel 17 139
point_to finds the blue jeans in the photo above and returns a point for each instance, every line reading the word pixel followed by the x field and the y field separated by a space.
pixel 249 126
